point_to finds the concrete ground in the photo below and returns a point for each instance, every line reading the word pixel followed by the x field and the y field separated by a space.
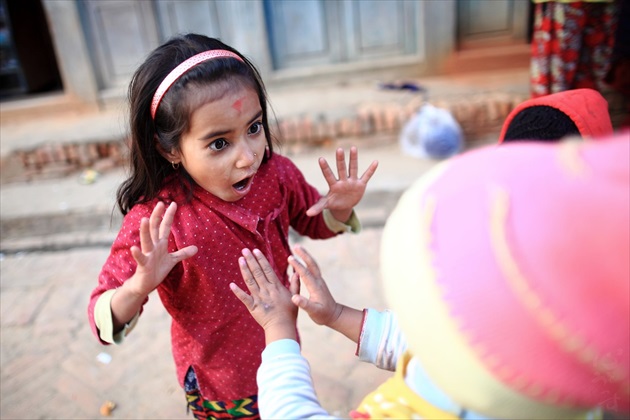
pixel 56 236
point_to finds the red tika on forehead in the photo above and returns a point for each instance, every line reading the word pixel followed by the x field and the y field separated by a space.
pixel 238 104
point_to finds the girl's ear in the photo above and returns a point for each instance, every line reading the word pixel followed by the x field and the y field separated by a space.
pixel 172 155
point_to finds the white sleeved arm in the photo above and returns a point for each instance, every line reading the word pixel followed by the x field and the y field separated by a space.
pixel 381 340
pixel 285 386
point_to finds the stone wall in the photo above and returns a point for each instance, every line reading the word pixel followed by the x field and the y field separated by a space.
pixel 479 116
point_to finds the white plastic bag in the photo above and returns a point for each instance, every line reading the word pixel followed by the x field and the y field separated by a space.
pixel 431 133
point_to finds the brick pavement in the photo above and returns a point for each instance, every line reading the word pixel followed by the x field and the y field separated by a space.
pixel 49 356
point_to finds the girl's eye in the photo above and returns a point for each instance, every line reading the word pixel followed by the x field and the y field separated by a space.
pixel 255 128
pixel 218 144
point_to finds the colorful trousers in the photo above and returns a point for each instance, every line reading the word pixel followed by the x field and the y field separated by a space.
pixel 202 409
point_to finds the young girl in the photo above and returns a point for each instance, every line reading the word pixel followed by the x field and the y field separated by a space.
pixel 205 184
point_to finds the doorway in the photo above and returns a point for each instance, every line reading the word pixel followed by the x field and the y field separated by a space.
pixel 27 60
pixel 492 34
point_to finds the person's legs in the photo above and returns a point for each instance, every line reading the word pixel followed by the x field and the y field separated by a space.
pixel 540 61
pixel 598 27
pixel 571 46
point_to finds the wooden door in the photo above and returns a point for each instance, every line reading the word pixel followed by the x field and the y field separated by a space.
pixel 181 16
pixel 492 21
pixel 120 33
pixel 309 33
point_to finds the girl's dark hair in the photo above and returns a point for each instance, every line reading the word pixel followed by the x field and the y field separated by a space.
pixel 148 168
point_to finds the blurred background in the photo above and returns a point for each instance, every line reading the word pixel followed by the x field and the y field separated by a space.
pixel 338 72
pixel 82 53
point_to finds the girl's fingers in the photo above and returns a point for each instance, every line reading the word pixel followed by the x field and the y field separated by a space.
pixel 155 220
pixel 294 284
pixel 329 176
pixel 354 162
pixel 247 300
pixel 137 255
pixel 309 261
pixel 342 171
pixel 146 244
pixel 248 276
pixel 369 172
pixel 341 165
pixel 167 221
pixel 318 207
pixel 269 274
pixel 184 253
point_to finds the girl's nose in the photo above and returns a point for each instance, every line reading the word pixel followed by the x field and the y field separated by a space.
pixel 246 157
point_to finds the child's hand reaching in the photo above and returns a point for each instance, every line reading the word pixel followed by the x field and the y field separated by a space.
pixel 345 192
pixel 270 301
pixel 321 305
pixel 274 307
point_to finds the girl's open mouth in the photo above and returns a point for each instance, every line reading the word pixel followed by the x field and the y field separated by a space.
pixel 242 185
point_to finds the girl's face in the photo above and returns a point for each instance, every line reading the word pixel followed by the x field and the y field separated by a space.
pixel 225 144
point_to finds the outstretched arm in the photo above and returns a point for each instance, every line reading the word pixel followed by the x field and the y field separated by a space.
pixel 285 387
pixel 377 334
pixel 275 308
pixel 154 263
pixel 346 191
pixel 321 305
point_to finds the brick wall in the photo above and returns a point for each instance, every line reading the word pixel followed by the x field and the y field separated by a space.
pixel 479 116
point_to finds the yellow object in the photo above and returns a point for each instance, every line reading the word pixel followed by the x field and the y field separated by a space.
pixel 89 176
pixel 395 400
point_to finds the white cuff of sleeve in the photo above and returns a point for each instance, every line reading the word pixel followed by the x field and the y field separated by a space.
pixel 104 322
pixel 280 348
pixel 352 225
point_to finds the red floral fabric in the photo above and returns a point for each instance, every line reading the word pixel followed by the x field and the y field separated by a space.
pixel 571 46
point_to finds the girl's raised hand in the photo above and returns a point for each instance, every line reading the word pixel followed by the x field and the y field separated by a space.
pixel 154 260
pixel 269 301
pixel 345 191
pixel 320 305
